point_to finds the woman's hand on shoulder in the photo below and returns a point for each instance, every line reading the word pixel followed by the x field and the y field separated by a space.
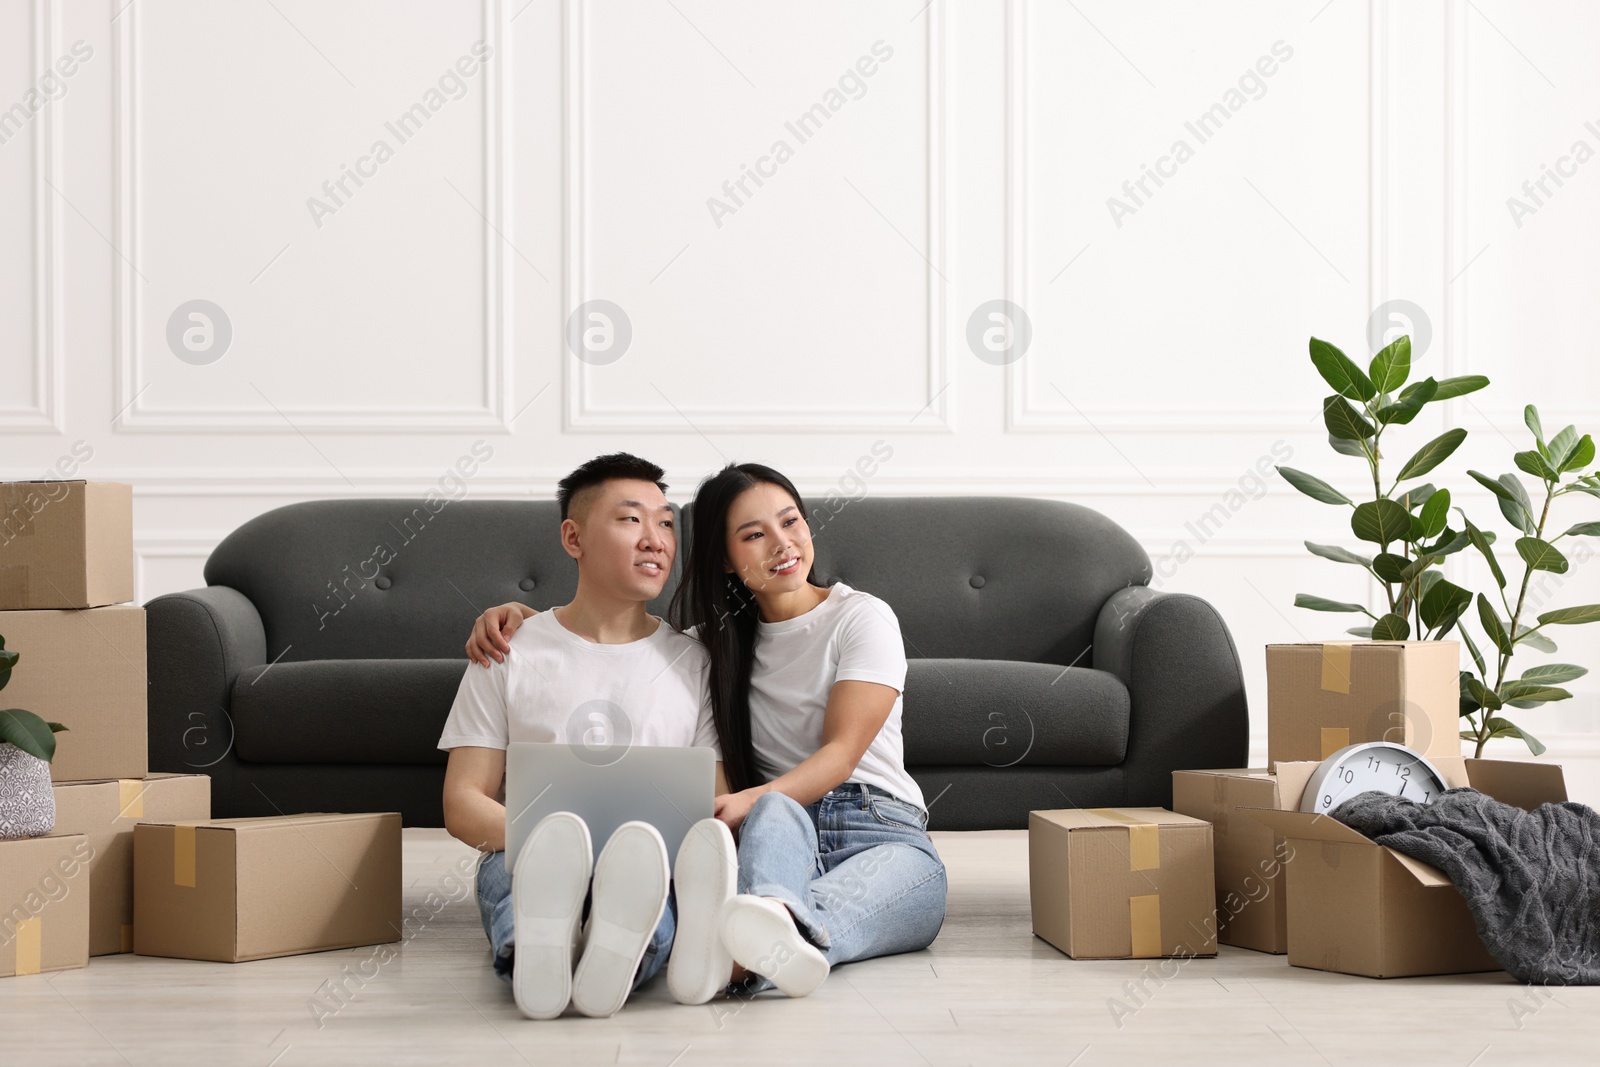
pixel 491 633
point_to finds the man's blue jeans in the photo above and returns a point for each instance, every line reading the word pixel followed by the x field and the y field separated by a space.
pixel 494 909
pixel 856 870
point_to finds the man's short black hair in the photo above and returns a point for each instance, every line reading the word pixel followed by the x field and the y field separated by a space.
pixel 604 469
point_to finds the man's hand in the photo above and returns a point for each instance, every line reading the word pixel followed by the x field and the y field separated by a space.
pixel 491 633
pixel 732 808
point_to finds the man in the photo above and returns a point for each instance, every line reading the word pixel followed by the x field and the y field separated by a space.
pixel 581 673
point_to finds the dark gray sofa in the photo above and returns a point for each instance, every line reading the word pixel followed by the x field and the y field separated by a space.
pixel 315 669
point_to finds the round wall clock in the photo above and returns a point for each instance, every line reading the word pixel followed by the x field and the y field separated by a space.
pixel 1371 765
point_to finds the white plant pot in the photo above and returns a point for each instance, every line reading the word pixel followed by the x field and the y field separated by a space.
pixel 27 801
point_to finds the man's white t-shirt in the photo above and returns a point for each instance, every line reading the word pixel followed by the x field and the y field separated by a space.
pixel 558 688
pixel 850 636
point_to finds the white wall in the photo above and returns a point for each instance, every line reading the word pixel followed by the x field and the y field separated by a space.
pixel 375 338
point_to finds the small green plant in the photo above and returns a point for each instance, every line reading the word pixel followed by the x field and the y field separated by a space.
pixel 1411 528
pixel 21 728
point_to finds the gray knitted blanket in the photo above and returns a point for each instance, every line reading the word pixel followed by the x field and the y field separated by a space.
pixel 1531 878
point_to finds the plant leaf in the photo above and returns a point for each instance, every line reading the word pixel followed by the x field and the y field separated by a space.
pixel 1553 673
pixel 1344 421
pixel 1381 521
pixel 1562 445
pixel 1360 631
pixel 1450 388
pixel 1582 529
pixel 1522 514
pixel 1317 603
pixel 1312 486
pixel 1392 365
pixel 1432 454
pixel 1338 555
pixel 1482 695
pixel 1348 448
pixel 1388 567
pixel 1571 616
pixel 29 733
pixel 1493 486
pixel 1531 692
pixel 1530 415
pixel 1435 513
pixel 1527 635
pixel 1391 628
pixel 1582 455
pixel 1416 496
pixel 1443 604
pixel 1341 372
pixel 1536 465
pixel 1506 728
pixel 1481 543
pixel 1411 401
pixel 1541 555
pixel 1472 647
pixel 1492 625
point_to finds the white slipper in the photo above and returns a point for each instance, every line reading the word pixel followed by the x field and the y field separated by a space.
pixel 548 884
pixel 705 877
pixel 630 891
pixel 762 936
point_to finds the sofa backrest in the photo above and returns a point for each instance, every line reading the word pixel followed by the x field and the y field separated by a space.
pixel 981 577
pixel 393 579
pixel 976 577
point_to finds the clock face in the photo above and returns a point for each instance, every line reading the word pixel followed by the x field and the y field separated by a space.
pixel 1373 765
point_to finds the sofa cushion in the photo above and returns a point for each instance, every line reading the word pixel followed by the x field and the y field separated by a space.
pixel 344 711
pixel 958 712
pixel 1001 713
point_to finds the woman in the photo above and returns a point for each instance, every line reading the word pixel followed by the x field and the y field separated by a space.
pixel 834 860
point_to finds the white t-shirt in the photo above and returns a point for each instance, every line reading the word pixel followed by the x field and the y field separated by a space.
pixel 558 688
pixel 850 636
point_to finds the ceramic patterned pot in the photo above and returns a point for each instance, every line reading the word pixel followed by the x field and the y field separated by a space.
pixel 27 802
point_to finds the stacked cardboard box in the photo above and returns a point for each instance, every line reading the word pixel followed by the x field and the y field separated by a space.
pixel 66 579
pixel 1289 881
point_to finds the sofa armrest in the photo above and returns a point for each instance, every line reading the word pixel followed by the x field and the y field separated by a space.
pixel 197 643
pixel 1185 687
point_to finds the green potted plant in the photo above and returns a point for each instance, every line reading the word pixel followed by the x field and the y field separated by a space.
pixel 27 745
pixel 1410 527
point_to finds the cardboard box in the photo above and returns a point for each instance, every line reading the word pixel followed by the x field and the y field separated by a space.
pixel 44 889
pixel 1322 697
pixel 1359 908
pixel 85 670
pixel 1249 857
pixel 1122 883
pixel 105 813
pixel 65 544
pixel 246 889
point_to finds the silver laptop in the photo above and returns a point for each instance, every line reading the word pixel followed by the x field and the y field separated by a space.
pixel 669 788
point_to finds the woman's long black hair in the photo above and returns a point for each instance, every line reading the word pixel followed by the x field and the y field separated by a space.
pixel 725 610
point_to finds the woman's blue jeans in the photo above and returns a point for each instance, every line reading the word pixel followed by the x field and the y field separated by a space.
pixel 856 870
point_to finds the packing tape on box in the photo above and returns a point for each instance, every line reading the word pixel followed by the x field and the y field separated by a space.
pixel 130 798
pixel 14 583
pixel 29 935
pixel 1144 839
pixel 1333 739
pixel 183 854
pixel 1144 924
pixel 1336 668
pixel 126 937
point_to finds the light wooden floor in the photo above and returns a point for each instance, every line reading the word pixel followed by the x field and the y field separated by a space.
pixel 986 992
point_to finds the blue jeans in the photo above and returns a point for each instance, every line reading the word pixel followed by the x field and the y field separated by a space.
pixel 856 870
pixel 494 909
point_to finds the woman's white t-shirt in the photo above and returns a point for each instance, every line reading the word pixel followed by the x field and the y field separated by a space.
pixel 850 636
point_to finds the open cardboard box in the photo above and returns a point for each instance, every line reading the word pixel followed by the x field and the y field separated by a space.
pixel 1249 857
pixel 1357 907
